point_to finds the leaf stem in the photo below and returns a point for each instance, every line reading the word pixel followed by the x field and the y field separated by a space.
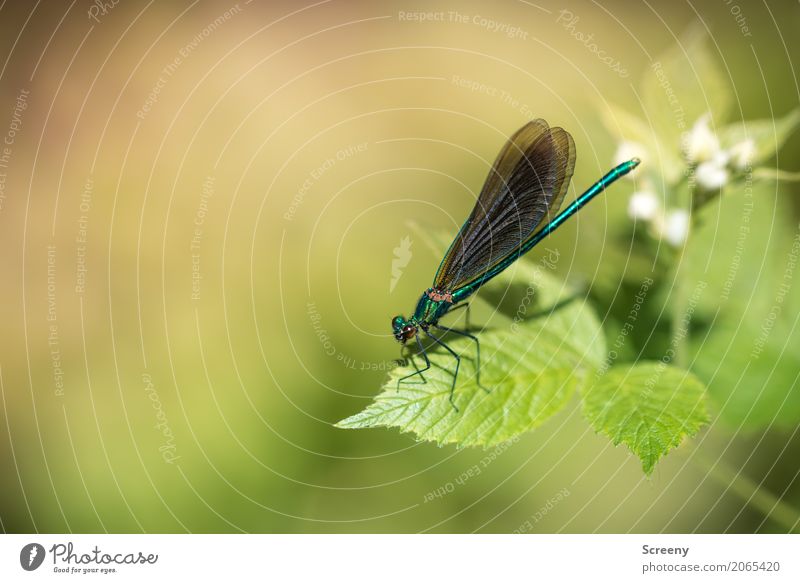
pixel 771 174
pixel 679 307
pixel 752 493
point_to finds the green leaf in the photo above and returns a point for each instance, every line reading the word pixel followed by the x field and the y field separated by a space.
pixel 731 243
pixel 753 369
pixel 748 355
pixel 684 83
pixel 768 135
pixel 649 406
pixel 532 369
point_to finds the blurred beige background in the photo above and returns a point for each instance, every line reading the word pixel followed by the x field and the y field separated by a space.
pixel 234 179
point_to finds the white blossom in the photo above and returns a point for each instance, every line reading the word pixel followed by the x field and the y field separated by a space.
pixel 721 158
pixel 701 143
pixel 712 175
pixel 644 205
pixel 675 227
pixel 742 154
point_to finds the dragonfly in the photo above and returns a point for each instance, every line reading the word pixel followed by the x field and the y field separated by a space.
pixel 515 210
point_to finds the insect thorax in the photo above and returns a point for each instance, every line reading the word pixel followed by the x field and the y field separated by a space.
pixel 431 306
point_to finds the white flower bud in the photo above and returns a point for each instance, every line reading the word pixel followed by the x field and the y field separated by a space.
pixel 711 175
pixel 721 158
pixel 675 228
pixel 626 151
pixel 742 154
pixel 643 205
pixel 701 144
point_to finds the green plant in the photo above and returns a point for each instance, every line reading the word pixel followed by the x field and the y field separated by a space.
pixel 707 189
pixel 547 344
pixel 648 389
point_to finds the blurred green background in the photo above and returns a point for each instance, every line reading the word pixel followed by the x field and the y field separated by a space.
pixel 242 174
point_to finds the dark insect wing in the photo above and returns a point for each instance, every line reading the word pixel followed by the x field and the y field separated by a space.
pixel 523 192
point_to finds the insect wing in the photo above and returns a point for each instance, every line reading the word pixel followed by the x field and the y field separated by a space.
pixel 524 190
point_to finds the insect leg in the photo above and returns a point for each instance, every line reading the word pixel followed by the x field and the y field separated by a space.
pixel 416 370
pixel 477 351
pixel 458 364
